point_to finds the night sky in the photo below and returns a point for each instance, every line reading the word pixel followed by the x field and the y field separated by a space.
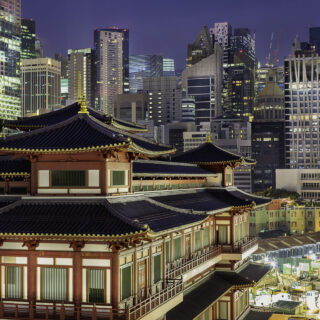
pixel 165 27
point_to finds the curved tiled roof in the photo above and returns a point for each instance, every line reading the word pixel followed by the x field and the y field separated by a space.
pixel 81 132
pixel 54 117
pixel 164 168
pixel 14 167
pixel 209 153
pixel 65 218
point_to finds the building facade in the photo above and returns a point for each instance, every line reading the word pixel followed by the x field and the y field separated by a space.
pixel 203 81
pixel 81 67
pixel 10 51
pixel 164 99
pixel 144 66
pixel 112 66
pixel 302 79
pixel 120 251
pixel 169 68
pixel 28 39
pixel 41 85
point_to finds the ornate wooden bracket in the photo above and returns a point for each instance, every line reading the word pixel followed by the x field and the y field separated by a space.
pixel 31 244
pixel 77 245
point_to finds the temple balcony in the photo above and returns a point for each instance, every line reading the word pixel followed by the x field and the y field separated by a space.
pixel 200 261
pixel 240 250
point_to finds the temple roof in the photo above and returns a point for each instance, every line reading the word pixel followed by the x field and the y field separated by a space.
pixel 49 217
pixel 205 200
pixel 155 216
pixel 209 153
pixel 81 132
pixel 165 168
pixel 54 117
pixel 207 293
pixel 255 272
pixel 14 167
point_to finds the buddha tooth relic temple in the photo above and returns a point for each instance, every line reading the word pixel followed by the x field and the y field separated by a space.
pixel 97 222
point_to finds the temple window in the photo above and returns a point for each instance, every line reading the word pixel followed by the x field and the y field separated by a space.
pixel 96 285
pixel 54 284
pixel 14 282
pixel 206 240
pixel 118 178
pixel 197 241
pixel 167 251
pixel 222 234
pixel 156 268
pixel 68 178
pixel 126 282
pixel 223 310
pixel 177 248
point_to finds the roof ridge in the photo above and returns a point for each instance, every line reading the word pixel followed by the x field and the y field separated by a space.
pixel 167 163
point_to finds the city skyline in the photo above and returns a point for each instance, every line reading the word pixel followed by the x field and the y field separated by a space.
pixel 169 27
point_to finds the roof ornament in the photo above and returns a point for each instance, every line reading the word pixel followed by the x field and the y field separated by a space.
pixel 79 88
pixel 83 106
pixel 209 140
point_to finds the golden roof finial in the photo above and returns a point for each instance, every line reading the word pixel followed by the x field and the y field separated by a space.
pixel 83 106
pixel 79 88
pixel 209 140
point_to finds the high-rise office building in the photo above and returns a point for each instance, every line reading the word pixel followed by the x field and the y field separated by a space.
pixel 314 39
pixel 38 48
pixel 203 81
pixel 164 99
pixel 41 85
pixel 112 66
pixel 262 77
pixel 302 110
pixel 64 78
pixel 28 39
pixel 201 48
pixel 268 134
pixel 10 51
pixel 168 67
pixel 144 66
pixel 81 67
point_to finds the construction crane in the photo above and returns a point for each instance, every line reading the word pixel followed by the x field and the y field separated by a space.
pixel 268 58
pixel 276 51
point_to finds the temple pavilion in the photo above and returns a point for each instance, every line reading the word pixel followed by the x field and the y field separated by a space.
pixel 97 223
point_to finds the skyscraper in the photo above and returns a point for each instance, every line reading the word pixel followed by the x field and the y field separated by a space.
pixel 144 66
pixel 10 50
pixel 41 85
pixel 112 66
pixel 314 39
pixel 81 66
pixel 64 78
pixel 201 48
pixel 168 67
pixel 302 110
pixel 203 81
pixel 164 99
pixel 28 39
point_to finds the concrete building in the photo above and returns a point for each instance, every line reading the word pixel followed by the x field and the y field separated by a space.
pixel 41 85
pixel 64 82
pixel 306 182
pixel 164 99
pixel 112 66
pixel 268 134
pixel 203 81
pixel 169 68
pixel 193 139
pixel 188 106
pixel 81 65
pixel 131 106
pixel 201 48
pixel 10 50
pixel 262 77
pixel 28 39
pixel 302 105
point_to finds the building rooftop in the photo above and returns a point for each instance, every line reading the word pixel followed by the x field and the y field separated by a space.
pixel 208 153
pixel 255 272
pixel 81 132
pixel 54 117
pixel 12 167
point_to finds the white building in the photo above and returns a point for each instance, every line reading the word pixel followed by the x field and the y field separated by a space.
pixel 41 85
pixel 306 182
pixel 112 66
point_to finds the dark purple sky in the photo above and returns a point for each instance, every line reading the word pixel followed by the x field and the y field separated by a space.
pixel 166 26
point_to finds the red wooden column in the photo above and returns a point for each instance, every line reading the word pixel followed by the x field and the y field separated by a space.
pixel 103 176
pixel 77 272
pixel 32 271
pixel 34 175
pixel 115 295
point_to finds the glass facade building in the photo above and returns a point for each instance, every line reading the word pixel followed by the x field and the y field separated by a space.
pixel 144 66
pixel 28 39
pixel 10 51
pixel 168 67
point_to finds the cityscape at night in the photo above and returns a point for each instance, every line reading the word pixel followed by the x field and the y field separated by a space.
pixel 160 160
